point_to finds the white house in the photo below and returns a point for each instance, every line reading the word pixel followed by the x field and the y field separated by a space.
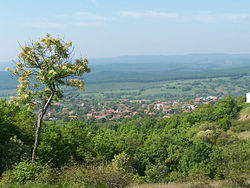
pixel 248 97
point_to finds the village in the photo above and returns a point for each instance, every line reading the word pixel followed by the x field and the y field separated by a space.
pixel 118 110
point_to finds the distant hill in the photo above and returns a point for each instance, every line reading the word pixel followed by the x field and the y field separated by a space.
pixel 157 62
pixel 140 66
pixel 149 67
pixel 152 63
pixel 205 58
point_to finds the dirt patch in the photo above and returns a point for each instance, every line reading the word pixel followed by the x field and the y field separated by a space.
pixel 244 135
pixel 244 117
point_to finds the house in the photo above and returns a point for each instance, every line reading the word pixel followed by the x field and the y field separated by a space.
pixel 71 112
pixel 175 103
pixel 211 98
pixel 115 117
pixel 248 97
pixel 158 106
pixel 134 113
pixel 89 115
pixel 110 111
pixel 53 119
pixel 151 113
pixel 99 117
pixel 205 103
pixel 167 116
pixel 188 107
pixel 197 100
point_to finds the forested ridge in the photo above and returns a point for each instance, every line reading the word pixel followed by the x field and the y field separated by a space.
pixel 204 144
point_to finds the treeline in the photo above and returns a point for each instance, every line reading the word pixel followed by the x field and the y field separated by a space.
pixel 7 82
pixel 179 75
pixel 202 145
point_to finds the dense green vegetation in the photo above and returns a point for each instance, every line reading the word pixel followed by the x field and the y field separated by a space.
pixel 203 145
pixel 178 88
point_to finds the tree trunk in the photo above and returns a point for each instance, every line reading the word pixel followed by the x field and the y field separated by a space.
pixel 39 124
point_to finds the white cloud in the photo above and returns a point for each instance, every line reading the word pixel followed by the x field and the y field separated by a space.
pixel 93 1
pixel 231 17
pixel 88 24
pixel 149 14
pixel 89 16
pixel 88 19
pixel 235 17
pixel 45 25
pixel 204 18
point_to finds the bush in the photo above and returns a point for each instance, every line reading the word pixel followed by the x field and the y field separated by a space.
pixel 123 162
pixel 94 176
pixel 36 175
pixel 14 152
pixel 176 176
pixel 195 157
pixel 231 162
pixel 24 173
pixel 156 173
pixel 199 179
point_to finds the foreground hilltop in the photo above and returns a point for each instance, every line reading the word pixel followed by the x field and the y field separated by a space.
pixel 209 144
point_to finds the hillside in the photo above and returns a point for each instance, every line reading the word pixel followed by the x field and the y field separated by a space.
pixel 200 148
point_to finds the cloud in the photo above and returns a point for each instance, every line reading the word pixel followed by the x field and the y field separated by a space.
pixel 88 24
pixel 149 14
pixel 93 1
pixel 88 19
pixel 231 17
pixel 45 25
pixel 77 19
pixel 204 18
pixel 89 16
pixel 235 17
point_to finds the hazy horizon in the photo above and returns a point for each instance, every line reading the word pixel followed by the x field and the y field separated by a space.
pixel 149 55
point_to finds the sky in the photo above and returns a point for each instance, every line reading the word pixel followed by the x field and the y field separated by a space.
pixel 110 28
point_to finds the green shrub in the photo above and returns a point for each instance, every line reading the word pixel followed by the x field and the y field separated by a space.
pixel 13 152
pixel 28 175
pixel 26 171
pixel 195 157
pixel 94 176
pixel 156 173
pixel 176 176
pixel 123 162
pixel 199 179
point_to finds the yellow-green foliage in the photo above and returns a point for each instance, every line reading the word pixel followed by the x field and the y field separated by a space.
pixel 44 66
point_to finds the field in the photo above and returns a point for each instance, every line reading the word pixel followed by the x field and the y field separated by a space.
pixel 158 77
pixel 165 90
pixel 169 89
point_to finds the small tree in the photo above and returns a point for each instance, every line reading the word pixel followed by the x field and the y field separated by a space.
pixel 43 67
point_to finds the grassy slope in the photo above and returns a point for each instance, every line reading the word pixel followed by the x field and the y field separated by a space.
pixel 242 129
pixel 242 125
